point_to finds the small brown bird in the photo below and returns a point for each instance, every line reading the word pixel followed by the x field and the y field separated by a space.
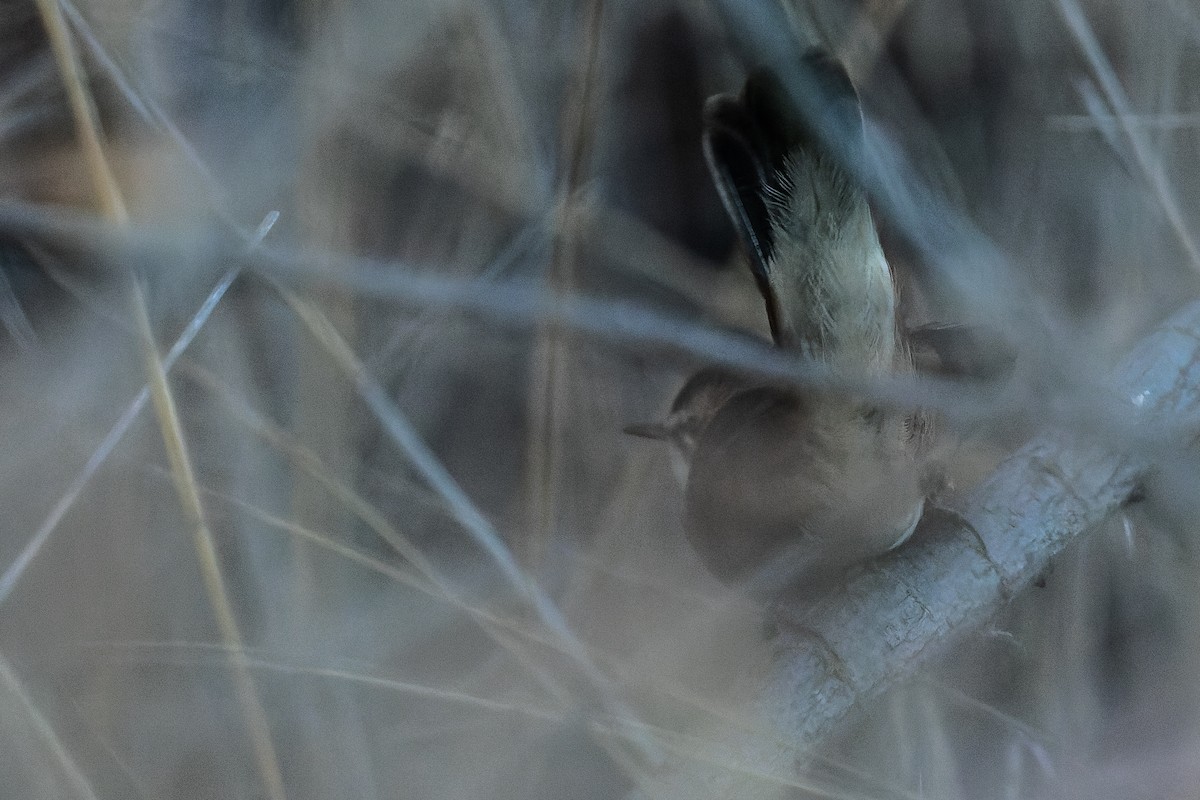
pixel 786 487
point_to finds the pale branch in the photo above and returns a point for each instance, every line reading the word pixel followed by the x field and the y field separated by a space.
pixel 894 615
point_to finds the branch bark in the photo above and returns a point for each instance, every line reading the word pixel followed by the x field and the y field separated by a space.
pixel 897 613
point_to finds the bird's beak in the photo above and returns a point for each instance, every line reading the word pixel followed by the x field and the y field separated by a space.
pixel 649 430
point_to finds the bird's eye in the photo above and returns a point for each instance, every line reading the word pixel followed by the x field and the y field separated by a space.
pixel 685 438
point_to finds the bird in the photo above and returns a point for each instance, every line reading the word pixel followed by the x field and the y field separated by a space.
pixel 786 487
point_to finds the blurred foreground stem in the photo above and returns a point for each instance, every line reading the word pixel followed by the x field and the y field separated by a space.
pixel 113 206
